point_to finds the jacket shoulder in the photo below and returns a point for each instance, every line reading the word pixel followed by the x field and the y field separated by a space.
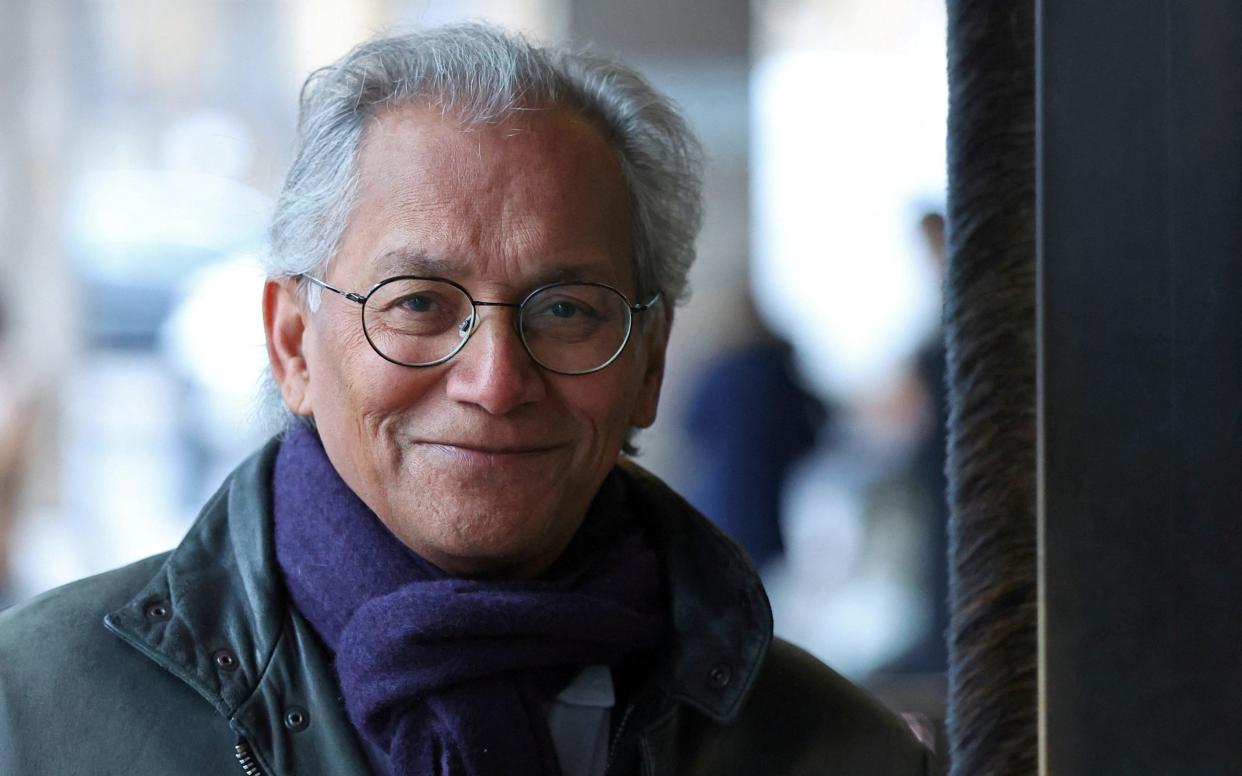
pixel 802 717
pixel 793 677
pixel 74 698
pixel 68 619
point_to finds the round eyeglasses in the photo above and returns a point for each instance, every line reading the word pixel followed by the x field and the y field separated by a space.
pixel 571 328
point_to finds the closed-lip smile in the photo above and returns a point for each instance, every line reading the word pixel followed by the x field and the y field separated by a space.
pixel 477 451
pixel 489 450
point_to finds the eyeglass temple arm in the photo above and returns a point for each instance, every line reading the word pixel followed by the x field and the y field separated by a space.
pixel 347 294
pixel 639 308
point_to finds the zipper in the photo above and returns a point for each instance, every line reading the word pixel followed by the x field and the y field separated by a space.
pixel 246 759
pixel 616 739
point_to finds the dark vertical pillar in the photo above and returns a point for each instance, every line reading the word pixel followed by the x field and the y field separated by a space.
pixel 990 327
pixel 1141 293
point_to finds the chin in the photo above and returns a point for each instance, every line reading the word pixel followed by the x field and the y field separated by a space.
pixel 496 530
pixel 492 556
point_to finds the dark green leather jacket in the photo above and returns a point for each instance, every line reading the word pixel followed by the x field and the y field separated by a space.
pixel 193 662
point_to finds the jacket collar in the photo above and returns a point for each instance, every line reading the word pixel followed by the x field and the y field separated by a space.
pixel 216 616
pixel 215 612
pixel 722 622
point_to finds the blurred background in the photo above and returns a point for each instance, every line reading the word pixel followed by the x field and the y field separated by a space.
pixel 141 145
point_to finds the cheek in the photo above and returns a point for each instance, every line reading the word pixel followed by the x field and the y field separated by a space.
pixel 602 403
pixel 348 378
pixel 377 391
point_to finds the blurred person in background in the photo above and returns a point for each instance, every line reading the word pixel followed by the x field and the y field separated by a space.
pixel 445 565
pixel 17 419
pixel 862 585
pixel 925 473
pixel 744 457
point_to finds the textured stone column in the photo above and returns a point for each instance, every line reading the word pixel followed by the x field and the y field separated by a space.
pixel 990 326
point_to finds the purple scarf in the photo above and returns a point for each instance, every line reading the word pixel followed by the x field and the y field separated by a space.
pixel 452 676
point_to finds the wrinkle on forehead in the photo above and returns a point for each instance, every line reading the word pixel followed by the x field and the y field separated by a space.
pixel 553 130
pixel 517 190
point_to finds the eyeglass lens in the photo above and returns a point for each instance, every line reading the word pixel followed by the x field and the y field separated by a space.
pixel 566 328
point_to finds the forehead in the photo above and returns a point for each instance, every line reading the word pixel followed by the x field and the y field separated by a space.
pixel 539 192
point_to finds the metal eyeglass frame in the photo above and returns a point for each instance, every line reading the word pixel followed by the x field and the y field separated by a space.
pixel 361 299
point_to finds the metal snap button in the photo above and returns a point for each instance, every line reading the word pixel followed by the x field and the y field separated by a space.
pixel 721 675
pixel 225 660
pixel 156 611
pixel 296 718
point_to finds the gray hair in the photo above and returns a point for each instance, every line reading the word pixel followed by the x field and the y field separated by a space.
pixel 481 75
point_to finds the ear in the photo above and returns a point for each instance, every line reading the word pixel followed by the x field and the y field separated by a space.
pixel 655 344
pixel 284 321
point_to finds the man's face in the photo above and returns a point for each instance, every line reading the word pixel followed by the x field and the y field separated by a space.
pixel 486 464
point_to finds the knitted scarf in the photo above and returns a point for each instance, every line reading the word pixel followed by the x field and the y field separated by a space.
pixel 450 676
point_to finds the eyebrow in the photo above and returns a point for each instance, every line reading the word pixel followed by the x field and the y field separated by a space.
pixel 407 262
pixel 419 262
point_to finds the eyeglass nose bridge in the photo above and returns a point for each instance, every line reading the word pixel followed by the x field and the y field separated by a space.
pixel 471 324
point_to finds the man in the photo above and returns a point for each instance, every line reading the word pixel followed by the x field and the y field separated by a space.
pixel 442 567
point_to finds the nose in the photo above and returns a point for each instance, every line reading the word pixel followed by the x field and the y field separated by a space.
pixel 493 371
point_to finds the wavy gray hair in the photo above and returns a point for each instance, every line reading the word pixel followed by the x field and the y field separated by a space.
pixel 481 75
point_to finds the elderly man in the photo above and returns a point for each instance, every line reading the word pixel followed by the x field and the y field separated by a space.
pixel 444 566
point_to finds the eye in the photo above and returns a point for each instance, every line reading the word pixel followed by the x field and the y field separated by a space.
pixel 416 303
pixel 563 309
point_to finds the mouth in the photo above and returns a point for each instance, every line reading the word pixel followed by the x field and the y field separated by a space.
pixel 489 450
pixel 486 454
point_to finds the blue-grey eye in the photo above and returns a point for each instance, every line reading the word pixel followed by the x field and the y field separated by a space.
pixel 417 303
pixel 563 310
